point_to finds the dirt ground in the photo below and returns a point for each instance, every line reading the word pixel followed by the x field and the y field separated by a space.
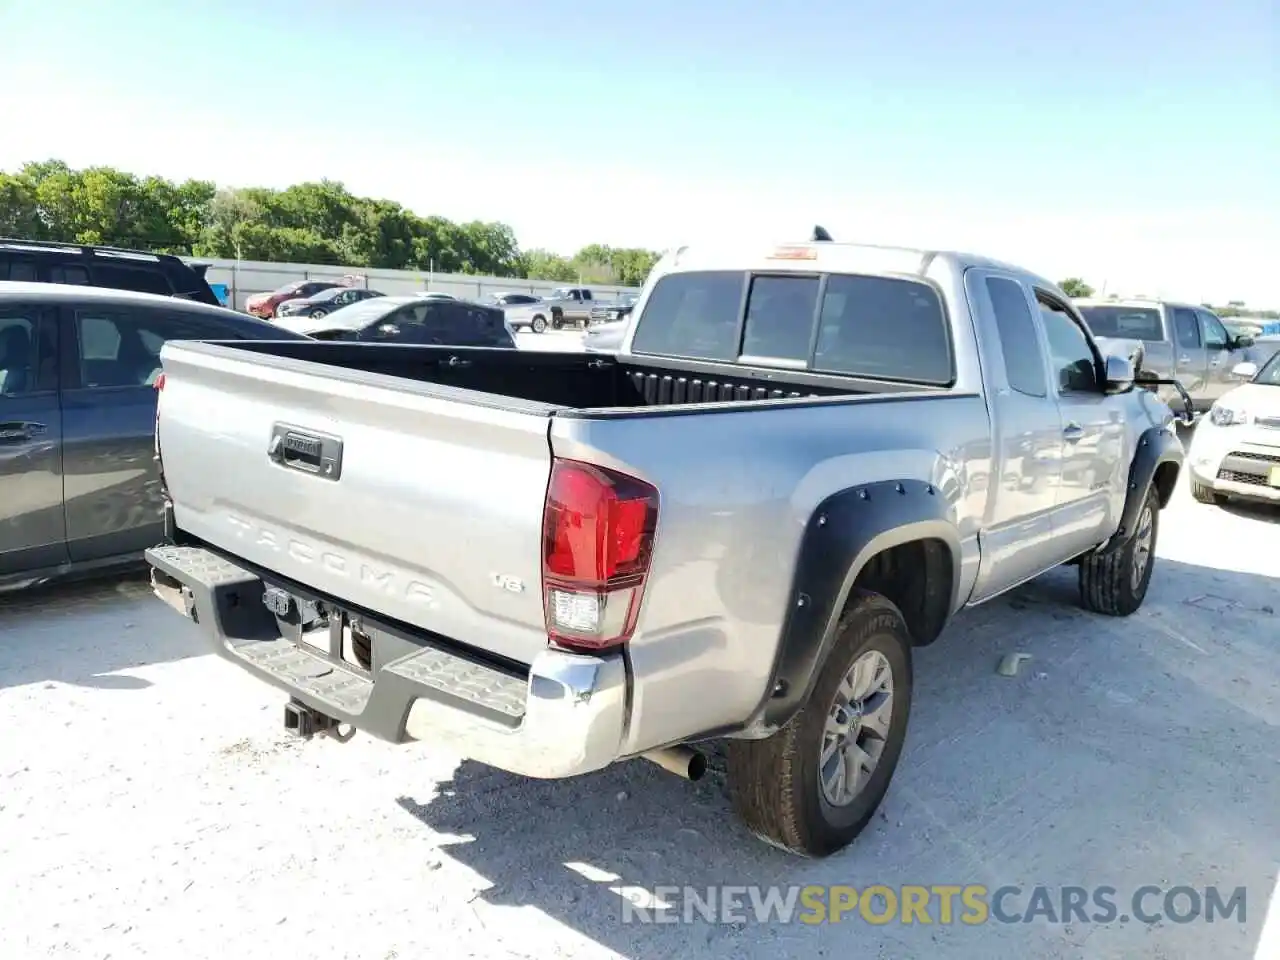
pixel 152 806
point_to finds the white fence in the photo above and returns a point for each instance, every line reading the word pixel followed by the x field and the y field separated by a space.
pixel 243 278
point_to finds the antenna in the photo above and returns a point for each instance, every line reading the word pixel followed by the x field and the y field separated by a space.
pixel 820 235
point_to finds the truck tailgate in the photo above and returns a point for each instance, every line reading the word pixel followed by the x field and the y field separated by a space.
pixel 430 511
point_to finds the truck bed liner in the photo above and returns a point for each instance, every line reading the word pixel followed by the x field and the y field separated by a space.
pixel 576 380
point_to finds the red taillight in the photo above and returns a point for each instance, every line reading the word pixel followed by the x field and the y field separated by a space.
pixel 160 381
pixel 597 531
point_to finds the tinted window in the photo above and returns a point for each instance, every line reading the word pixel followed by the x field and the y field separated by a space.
pixel 1069 353
pixel 885 328
pixel 1186 326
pixel 28 351
pixel 1023 358
pixel 121 348
pixel 69 273
pixel 130 278
pixel 692 315
pixel 1127 323
pixel 1215 334
pixel 780 317
pixel 451 324
pixel 17 270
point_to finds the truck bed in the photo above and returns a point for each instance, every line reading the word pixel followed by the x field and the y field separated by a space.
pixel 573 381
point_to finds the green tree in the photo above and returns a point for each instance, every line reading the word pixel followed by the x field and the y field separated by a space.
pixel 1075 287
pixel 312 222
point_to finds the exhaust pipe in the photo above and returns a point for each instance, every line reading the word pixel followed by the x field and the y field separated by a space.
pixel 682 761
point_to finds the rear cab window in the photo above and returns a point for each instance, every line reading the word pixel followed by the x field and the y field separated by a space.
pixel 876 327
pixel 1124 323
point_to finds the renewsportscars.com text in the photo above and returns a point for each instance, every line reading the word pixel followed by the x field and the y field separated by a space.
pixel 969 904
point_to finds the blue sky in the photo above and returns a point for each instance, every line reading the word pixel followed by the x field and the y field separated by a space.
pixel 1136 144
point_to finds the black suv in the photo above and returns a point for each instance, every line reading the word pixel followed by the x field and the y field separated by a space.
pixel 46 262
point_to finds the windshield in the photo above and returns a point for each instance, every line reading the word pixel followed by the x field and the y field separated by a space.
pixel 1269 375
pixel 1128 323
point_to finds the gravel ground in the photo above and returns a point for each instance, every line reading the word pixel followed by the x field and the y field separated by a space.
pixel 151 806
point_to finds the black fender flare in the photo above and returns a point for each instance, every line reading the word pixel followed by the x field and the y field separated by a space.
pixel 843 533
pixel 1156 447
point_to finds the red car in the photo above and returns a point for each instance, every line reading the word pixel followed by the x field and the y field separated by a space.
pixel 264 304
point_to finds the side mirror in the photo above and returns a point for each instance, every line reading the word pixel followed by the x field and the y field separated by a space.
pixel 1241 342
pixel 1244 371
pixel 1120 375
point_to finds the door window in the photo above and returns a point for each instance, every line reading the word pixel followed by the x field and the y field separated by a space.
pixel 121 348
pixel 28 351
pixel 1215 334
pixel 17 269
pixel 69 273
pixel 1023 356
pixel 1069 352
pixel 1186 328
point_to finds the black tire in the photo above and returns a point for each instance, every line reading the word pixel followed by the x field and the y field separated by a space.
pixel 538 324
pixel 775 783
pixel 1107 581
pixel 319 312
pixel 557 319
pixel 1202 494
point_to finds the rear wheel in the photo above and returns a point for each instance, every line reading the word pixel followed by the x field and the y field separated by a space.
pixel 814 785
pixel 539 324
pixel 557 319
pixel 1116 583
pixel 319 312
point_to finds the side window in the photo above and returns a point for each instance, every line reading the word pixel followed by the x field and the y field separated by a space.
pixel 28 351
pixel 18 269
pixel 884 328
pixel 120 277
pixel 488 328
pixel 692 315
pixel 69 273
pixel 1023 356
pixel 121 348
pixel 1215 334
pixel 1186 327
pixel 586 295
pixel 780 318
pixel 1069 351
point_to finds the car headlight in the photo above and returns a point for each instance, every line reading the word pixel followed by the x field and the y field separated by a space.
pixel 1221 416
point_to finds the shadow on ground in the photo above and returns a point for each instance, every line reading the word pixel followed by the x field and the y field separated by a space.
pixel 1125 752
pixel 82 633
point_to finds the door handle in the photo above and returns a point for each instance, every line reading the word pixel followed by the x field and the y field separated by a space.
pixel 15 431
pixel 1216 363
pixel 1184 359
pixel 1072 432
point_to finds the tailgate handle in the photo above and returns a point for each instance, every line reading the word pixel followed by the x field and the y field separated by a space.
pixel 298 449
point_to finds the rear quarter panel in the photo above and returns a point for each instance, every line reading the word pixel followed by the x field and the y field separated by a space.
pixel 737 488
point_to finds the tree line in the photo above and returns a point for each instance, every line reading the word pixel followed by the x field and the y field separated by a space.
pixel 320 222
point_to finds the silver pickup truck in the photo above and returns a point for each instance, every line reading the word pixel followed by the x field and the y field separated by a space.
pixel 802 463
pixel 1183 341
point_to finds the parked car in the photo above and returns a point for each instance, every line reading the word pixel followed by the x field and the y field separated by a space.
pixel 79 490
pixel 324 302
pixel 606 337
pixel 1183 341
pixel 265 305
pixel 614 310
pixel 115 267
pixel 527 556
pixel 506 299
pixel 525 312
pixel 434 295
pixel 1235 453
pixel 409 319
